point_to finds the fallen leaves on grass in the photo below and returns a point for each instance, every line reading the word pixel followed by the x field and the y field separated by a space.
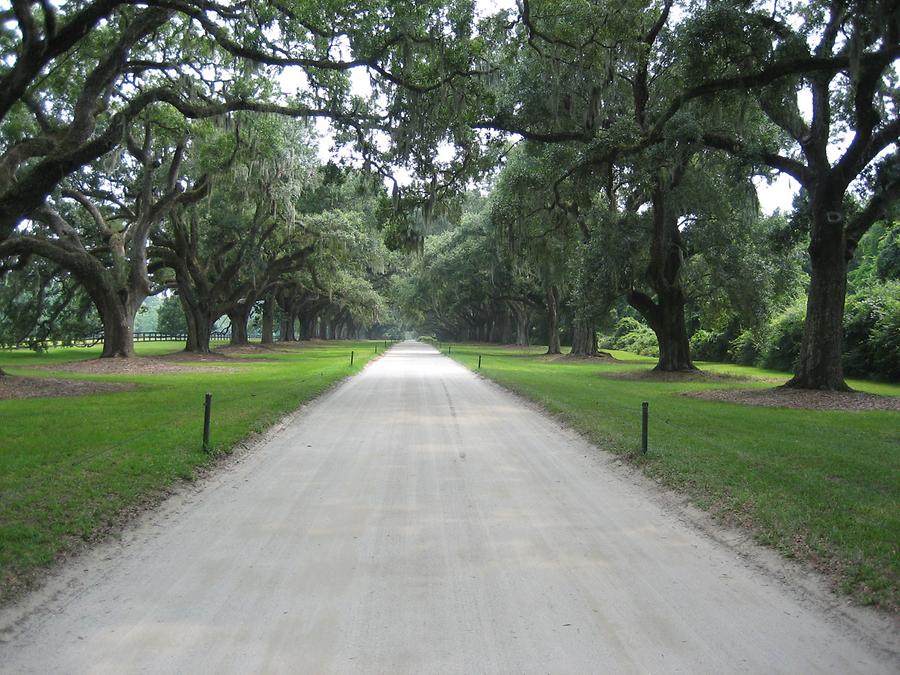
pixel 14 387
pixel 804 399
pixel 135 365
pixel 599 357
pixel 651 375
pixel 260 350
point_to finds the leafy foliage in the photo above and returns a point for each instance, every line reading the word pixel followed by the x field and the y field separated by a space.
pixel 43 307
pixel 631 335
pixel 170 317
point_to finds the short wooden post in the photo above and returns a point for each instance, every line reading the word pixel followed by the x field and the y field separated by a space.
pixel 645 414
pixel 207 412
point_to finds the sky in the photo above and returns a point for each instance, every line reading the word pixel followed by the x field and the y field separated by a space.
pixel 774 195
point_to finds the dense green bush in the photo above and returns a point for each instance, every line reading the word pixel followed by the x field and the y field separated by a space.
pixel 39 307
pixel 709 345
pixel 872 331
pixel 747 348
pixel 871 335
pixel 885 339
pixel 631 335
pixel 170 317
pixel 782 345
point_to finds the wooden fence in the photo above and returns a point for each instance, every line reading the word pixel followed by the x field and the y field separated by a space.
pixel 142 336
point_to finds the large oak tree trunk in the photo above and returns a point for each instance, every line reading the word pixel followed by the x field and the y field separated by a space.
pixel 307 327
pixel 117 294
pixel 287 327
pixel 198 311
pixel 239 317
pixel 666 318
pixel 196 291
pixel 522 319
pixel 199 322
pixel 584 338
pixel 553 346
pixel 117 305
pixel 666 315
pixel 671 334
pixel 118 325
pixel 819 365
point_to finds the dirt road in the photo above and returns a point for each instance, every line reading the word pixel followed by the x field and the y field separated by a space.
pixel 419 520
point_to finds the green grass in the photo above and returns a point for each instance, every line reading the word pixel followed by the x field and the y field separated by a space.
pixel 820 486
pixel 73 467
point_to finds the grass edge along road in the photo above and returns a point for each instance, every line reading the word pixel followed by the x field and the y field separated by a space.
pixel 73 468
pixel 819 486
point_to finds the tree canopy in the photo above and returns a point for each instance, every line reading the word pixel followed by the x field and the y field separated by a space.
pixel 553 169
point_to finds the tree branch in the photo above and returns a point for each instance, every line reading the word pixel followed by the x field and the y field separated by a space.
pixel 89 206
pixel 35 54
pixel 778 162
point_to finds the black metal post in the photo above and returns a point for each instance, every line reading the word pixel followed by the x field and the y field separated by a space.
pixel 351 358
pixel 644 421
pixel 206 415
pixel 479 362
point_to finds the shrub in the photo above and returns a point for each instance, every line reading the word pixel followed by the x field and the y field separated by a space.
pixel 631 335
pixel 871 335
pixel 709 345
pixel 170 317
pixel 872 331
pixel 884 340
pixel 782 346
pixel 426 338
pixel 747 348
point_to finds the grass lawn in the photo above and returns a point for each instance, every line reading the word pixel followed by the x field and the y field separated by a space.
pixel 71 467
pixel 817 485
